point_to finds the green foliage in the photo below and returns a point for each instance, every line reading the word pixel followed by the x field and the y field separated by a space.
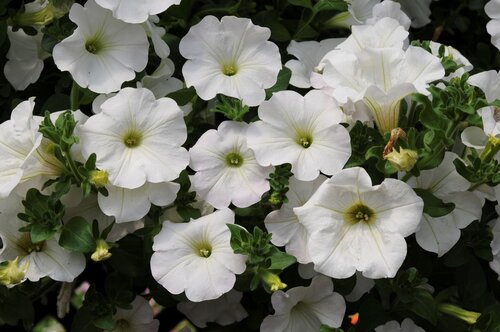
pixel 62 138
pixel 279 180
pixel 185 198
pixel 263 258
pixel 282 82
pixel 43 213
pixel 434 206
pixel 183 96
pixel 231 108
pixel 76 235
pixel 479 171
pixel 362 138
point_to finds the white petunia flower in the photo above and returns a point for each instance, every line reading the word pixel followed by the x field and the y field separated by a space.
pixel 25 58
pixel 363 286
pixel 128 205
pixel 390 9
pixel 133 11
pixel 161 82
pixel 407 325
pixel 226 169
pixel 137 139
pixel 489 82
pixel 492 9
pixel 309 54
pixel 385 33
pixel 196 257
pixel 354 226
pixel 306 271
pixel 440 234
pixel 305 308
pixel 302 131
pixel 25 155
pixel 225 310
pixel 232 57
pixel 284 225
pixel 376 70
pixel 156 33
pixel 137 319
pixel 103 52
pixel 45 258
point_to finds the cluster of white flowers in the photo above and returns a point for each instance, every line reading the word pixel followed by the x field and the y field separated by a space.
pixel 341 219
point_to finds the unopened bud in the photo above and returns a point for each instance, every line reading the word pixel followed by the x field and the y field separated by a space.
pixel 343 20
pixel 44 14
pixel 11 273
pixel 101 252
pixel 404 160
pixel 98 178
pixel 470 317
pixel 273 281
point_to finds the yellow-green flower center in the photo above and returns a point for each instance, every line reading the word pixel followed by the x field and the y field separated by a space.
pixel 94 45
pixel 132 139
pixel 229 69
pixel 28 246
pixel 203 249
pixel 234 159
pixel 305 141
pixel 359 213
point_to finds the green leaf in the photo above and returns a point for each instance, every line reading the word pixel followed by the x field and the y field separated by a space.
pixel 238 235
pixel 280 260
pixel 183 96
pixel 41 232
pixel 77 236
pixel 323 5
pixel 424 305
pixel 187 212
pixel 301 3
pixel 305 31
pixel 282 82
pixel 434 206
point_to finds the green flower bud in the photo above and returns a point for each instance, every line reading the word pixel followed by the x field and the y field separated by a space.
pixel 273 281
pixel 404 160
pixel 470 317
pixel 101 252
pixel 98 178
pixel 44 14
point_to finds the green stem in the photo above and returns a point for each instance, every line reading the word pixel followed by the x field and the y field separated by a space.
pixel 72 166
pixel 74 96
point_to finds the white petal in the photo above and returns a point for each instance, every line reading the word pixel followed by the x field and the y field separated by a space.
pixel 133 204
pixel 132 11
